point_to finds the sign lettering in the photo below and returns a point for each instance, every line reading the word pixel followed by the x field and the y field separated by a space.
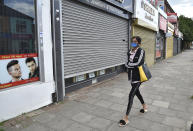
pixel 147 8
pixel 148 17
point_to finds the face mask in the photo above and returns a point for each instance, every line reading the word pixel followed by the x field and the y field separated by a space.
pixel 134 45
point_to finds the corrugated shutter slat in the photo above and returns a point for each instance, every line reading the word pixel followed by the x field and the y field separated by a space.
pixel 92 39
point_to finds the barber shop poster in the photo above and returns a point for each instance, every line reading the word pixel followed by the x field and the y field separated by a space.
pixel 18 69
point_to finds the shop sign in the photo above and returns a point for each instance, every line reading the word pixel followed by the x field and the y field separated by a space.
pixel 163 23
pixel 170 27
pixel 169 34
pixel 147 8
pixel 161 4
pixel 162 13
pixel 17 69
pixel 124 4
pixel 127 5
pixel 172 17
pixel 146 12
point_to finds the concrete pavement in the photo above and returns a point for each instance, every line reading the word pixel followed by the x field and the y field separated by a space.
pixel 100 107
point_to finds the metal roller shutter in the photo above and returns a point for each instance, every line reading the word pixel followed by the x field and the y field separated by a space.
pixel 175 47
pixel 179 45
pixel 148 43
pixel 92 39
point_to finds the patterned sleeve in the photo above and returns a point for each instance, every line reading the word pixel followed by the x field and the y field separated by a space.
pixel 140 60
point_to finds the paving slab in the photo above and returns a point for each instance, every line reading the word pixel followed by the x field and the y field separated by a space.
pixel 163 104
pixel 159 127
pixel 78 127
pixel 175 122
pixel 104 103
pixel 83 117
pixel 37 127
pixel 99 123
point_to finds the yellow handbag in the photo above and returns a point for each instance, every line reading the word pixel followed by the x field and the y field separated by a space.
pixel 144 73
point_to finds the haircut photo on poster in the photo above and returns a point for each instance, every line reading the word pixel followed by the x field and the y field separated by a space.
pixel 18 69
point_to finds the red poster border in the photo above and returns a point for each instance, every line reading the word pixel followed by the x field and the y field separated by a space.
pixel 17 56
pixel 7 85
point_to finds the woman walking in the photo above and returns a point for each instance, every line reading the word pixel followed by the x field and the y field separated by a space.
pixel 135 58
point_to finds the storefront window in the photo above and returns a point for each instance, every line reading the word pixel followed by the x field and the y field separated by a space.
pixel 69 81
pixel 159 47
pixel 108 71
pixel 21 26
pixel 18 45
pixel 101 72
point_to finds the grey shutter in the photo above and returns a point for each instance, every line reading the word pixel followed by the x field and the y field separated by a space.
pixel 92 39
pixel 179 45
pixel 175 47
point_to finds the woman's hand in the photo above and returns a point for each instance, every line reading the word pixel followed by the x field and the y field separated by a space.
pixel 126 65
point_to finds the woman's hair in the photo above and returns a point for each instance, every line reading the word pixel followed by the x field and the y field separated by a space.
pixel 137 38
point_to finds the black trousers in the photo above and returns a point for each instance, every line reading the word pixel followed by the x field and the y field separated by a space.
pixel 134 91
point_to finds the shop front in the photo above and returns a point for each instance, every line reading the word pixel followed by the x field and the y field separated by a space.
pixel 26 80
pixel 172 18
pixel 180 39
pixel 146 26
pixel 94 42
pixel 176 41
pixel 161 39
pixel 169 40
pixel 175 46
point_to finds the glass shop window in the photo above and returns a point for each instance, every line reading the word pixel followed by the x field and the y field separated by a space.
pixel 18 43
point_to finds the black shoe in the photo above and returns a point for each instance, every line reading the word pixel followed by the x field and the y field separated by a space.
pixel 123 123
pixel 143 110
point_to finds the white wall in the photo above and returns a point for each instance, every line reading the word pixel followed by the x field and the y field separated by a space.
pixel 25 98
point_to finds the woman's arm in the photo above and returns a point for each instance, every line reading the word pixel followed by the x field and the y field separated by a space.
pixel 140 60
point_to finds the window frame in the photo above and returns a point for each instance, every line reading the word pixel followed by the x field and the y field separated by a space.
pixel 39 37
